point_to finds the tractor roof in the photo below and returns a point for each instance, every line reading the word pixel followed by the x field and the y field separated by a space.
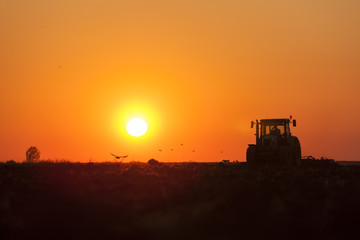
pixel 275 121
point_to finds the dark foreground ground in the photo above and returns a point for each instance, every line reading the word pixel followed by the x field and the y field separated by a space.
pixel 178 201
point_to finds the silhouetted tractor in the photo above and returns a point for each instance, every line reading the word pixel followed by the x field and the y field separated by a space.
pixel 274 143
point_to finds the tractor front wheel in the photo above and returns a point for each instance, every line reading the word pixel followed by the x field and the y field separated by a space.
pixel 251 154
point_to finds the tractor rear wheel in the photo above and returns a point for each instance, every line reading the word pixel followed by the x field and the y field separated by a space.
pixel 285 155
pixel 297 153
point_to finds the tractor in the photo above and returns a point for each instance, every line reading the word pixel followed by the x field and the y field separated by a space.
pixel 274 143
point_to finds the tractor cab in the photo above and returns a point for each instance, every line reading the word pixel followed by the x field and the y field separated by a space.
pixel 277 127
pixel 273 127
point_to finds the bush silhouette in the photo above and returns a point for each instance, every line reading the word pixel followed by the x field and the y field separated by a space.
pixel 11 162
pixel 32 154
pixel 154 162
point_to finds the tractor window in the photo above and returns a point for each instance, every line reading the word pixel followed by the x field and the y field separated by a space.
pixel 273 130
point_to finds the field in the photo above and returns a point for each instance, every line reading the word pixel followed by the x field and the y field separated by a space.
pixel 177 201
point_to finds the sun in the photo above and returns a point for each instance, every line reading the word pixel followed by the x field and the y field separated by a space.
pixel 136 127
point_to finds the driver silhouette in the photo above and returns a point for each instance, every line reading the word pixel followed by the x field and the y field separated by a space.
pixel 275 131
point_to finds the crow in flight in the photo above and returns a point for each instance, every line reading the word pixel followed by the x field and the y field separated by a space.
pixel 119 157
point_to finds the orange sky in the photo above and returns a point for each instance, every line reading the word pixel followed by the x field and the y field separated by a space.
pixel 73 71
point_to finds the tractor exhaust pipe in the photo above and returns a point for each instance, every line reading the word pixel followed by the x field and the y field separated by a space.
pixel 257 133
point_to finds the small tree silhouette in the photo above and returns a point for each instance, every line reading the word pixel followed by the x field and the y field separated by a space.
pixel 32 154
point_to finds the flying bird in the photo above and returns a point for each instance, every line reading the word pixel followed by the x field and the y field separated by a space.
pixel 119 157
